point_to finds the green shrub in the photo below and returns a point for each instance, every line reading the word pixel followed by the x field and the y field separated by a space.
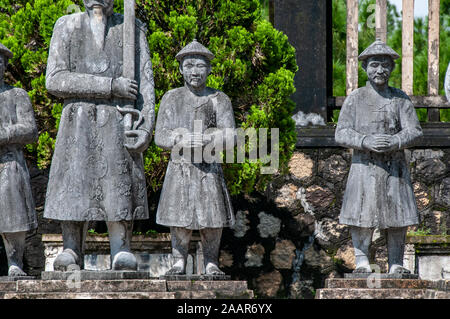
pixel 254 66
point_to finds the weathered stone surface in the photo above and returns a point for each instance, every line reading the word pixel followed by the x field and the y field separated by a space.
pixel 346 254
pixel 302 289
pixel 269 284
pixel 124 289
pixel 203 277
pixel 443 196
pixel 433 220
pixel 269 226
pixel 283 254
pixel 286 196
pixel 301 166
pixel 345 293
pixel 320 198
pixel 72 285
pixel 88 295
pixel 303 225
pixel 334 168
pixel 430 170
pixel 319 260
pixel 330 234
pixel 95 275
pixel 254 255
pixel 225 259
pixel 374 276
pixel 383 283
pixel 422 195
pixel 241 225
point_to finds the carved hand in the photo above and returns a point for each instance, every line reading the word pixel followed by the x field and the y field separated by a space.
pixel 124 88
pixel 194 140
pixel 380 143
pixel 142 140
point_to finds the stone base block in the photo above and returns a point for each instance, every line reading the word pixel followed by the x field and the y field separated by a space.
pixel 73 288
pixel 95 275
pixel 88 295
pixel 381 276
pixel 382 283
pixel 383 288
pixel 350 293
pixel 194 277
pixel 7 278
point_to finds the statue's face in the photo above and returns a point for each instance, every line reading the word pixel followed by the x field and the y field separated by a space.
pixel 379 69
pixel 195 70
pixel 107 5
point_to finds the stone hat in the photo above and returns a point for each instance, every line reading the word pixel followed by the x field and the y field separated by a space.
pixel 194 48
pixel 5 51
pixel 378 48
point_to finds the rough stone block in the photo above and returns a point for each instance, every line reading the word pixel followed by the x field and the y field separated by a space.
pixel 350 293
pixel 93 286
pixel 380 276
pixel 89 295
pixel 95 275
pixel 194 277
pixel 383 283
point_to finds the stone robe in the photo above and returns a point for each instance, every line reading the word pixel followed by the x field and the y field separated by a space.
pixel 379 191
pixel 17 128
pixel 194 195
pixel 93 176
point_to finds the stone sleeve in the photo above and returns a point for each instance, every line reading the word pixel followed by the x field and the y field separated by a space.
pixel 345 134
pixel 225 134
pixel 146 98
pixel 24 131
pixel 410 125
pixel 60 81
pixel 164 133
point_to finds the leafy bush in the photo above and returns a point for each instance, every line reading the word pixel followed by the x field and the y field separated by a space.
pixel 254 66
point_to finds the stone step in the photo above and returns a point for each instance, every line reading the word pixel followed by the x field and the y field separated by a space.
pixel 90 295
pixel 128 289
pixel 129 285
pixel 375 293
pixel 381 283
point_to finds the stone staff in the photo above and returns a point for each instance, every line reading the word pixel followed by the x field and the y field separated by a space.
pixel 129 63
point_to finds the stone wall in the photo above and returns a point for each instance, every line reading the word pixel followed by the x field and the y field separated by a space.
pixel 287 241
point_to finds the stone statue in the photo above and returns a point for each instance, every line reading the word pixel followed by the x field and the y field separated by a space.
pixel 97 169
pixel 194 195
pixel 447 83
pixel 17 128
pixel 378 122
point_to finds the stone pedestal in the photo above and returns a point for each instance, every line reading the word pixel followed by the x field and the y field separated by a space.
pixel 153 253
pixel 383 288
pixel 432 256
pixel 73 288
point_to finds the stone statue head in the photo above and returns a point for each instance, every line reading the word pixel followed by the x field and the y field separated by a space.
pixel 378 60
pixel 195 64
pixel 379 68
pixel 107 5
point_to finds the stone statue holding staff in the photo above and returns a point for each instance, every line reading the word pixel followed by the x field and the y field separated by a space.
pixel 97 169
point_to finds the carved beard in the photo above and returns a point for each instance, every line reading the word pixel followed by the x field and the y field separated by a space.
pixel 98 22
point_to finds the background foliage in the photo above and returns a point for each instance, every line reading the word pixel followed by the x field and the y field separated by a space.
pixel 254 66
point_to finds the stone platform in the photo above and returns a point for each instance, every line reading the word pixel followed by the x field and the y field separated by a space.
pixel 380 275
pixel 80 285
pixel 383 288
